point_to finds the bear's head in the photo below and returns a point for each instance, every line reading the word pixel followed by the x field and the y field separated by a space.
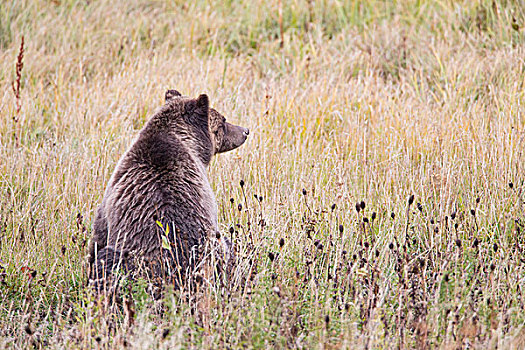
pixel 224 136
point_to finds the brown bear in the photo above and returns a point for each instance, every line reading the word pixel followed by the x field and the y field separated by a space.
pixel 159 207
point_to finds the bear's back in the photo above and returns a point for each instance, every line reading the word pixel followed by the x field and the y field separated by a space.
pixel 159 181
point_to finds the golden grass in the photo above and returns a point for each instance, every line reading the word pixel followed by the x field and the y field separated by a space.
pixel 366 101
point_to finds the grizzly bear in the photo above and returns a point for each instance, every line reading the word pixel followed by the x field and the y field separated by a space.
pixel 159 208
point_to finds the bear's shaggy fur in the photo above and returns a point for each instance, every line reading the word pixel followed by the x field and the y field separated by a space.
pixel 159 207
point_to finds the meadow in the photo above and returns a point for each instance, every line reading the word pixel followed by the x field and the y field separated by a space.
pixel 378 203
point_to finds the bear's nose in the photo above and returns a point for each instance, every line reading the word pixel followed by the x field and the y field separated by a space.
pixel 246 132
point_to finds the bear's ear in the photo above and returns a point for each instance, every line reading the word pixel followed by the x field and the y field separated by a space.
pixel 171 94
pixel 202 105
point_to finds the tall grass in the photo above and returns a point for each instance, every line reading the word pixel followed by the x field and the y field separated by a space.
pixel 366 104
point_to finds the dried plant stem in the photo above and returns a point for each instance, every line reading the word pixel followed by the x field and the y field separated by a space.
pixel 16 89
pixel 281 29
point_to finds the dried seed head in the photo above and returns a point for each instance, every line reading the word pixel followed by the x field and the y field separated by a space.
pixel 366 244
pixel 260 199
pixel 271 256
pixel 478 200
pixel 377 253
pixel 362 205
pixel 231 229
pixel 281 242
pixel 333 207
pixel 495 247
pixel 218 235
pixel 511 185
pixel 241 183
pixel 392 215
pixel 327 320
pixel 492 267
pixel 473 212
pixel 391 246
pixel 304 191
pixel 358 207
pixel 341 228
pixel 446 277
pixel 419 207
pixel 453 215
pixel 232 200
pixel 239 207
pixel 411 199
pixel 365 219
pixel 458 243
pixel 475 243
pixel 374 215
pixel 165 333
pixel 432 221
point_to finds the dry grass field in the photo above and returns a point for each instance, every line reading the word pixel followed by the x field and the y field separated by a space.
pixel 383 197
